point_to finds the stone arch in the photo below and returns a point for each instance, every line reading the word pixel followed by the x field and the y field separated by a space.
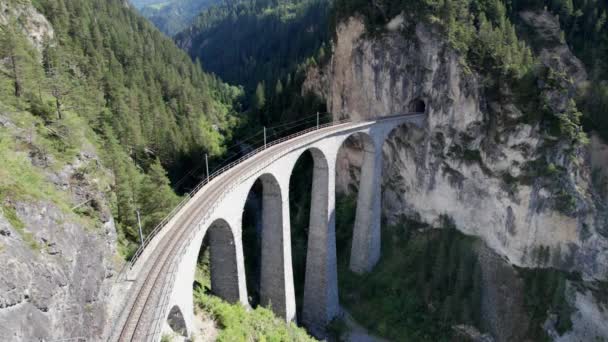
pixel 320 293
pixel 223 257
pixel 176 321
pixel 365 247
pixel 417 105
pixel 276 283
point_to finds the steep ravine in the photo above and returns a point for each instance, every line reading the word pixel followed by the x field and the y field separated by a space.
pixel 461 164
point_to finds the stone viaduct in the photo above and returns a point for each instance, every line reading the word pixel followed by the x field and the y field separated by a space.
pixel 161 294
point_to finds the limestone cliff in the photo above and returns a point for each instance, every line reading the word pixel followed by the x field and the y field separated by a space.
pixel 460 163
pixel 469 160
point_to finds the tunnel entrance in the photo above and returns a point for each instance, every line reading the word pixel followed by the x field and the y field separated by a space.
pixel 418 106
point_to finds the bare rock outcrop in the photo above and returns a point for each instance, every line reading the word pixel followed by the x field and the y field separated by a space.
pixel 463 163
pixel 58 252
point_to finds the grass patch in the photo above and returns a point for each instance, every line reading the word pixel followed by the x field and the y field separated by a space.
pixel 426 281
pixel 236 323
pixel 18 177
pixel 11 215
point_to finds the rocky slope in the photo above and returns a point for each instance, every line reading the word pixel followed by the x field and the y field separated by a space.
pixel 429 172
pixel 57 234
pixel 468 160
pixel 58 251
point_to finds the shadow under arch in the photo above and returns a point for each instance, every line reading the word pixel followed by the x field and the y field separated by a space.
pixel 224 270
pixel 271 245
pixel 309 206
pixel 176 321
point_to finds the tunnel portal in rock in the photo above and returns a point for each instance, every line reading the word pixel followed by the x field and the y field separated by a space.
pixel 417 106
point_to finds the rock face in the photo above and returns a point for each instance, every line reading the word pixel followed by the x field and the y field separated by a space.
pixel 459 165
pixel 57 265
pixel 58 289
pixel 57 253
pixel 34 24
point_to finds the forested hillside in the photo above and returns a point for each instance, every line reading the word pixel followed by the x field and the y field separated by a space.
pixel 109 73
pixel 172 16
pixel 266 46
pixel 251 42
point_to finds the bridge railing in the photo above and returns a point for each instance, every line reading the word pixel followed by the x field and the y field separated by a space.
pixel 128 265
pixel 160 310
pixel 172 272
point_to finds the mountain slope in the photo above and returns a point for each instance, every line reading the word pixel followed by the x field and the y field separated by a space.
pixel 504 157
pixel 95 103
pixel 172 16
pixel 248 42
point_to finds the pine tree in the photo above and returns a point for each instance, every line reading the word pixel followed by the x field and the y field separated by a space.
pixel 155 196
pixel 566 8
pixel 278 89
pixel 440 269
pixel 12 47
pixel 259 99
pixel 476 294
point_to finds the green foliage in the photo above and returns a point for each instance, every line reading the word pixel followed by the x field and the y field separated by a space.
pixel 545 292
pixel 239 324
pixel 172 16
pixel 337 328
pixel 424 283
pixel 108 78
pixel 10 214
pixel 584 28
pixel 248 42
pixel 18 178
pixel 484 33
pixel 271 69
pixel 259 98
pixel 478 29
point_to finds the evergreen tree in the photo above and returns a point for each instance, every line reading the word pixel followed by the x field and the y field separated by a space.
pixel 156 198
pixel 12 47
pixel 259 99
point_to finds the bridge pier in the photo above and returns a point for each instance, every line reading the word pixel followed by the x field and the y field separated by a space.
pixel 157 303
pixel 276 279
pixel 365 249
pixel 320 304
pixel 227 269
pixel 224 265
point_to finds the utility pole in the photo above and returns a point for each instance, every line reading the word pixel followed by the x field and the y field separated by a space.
pixel 317 120
pixel 141 235
pixel 264 137
pixel 207 165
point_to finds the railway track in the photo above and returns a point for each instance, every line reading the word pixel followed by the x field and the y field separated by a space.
pixel 137 318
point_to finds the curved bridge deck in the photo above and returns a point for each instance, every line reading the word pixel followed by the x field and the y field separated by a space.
pixel 163 271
